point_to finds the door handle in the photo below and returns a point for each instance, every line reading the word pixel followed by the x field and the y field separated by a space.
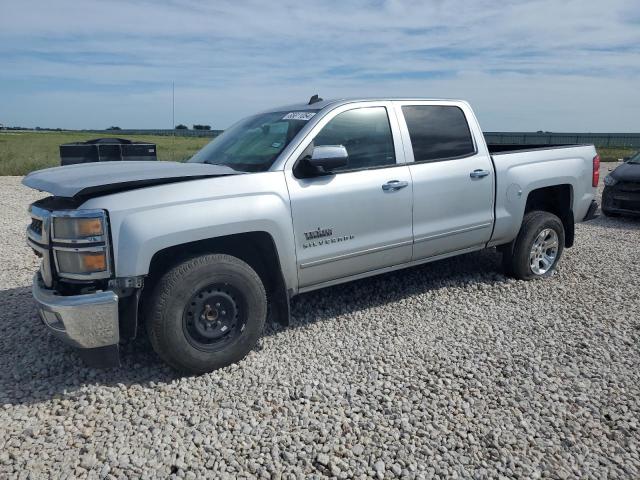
pixel 479 173
pixel 393 185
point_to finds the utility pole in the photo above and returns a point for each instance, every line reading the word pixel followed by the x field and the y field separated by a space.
pixel 173 120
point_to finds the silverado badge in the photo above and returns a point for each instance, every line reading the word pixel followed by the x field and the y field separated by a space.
pixel 318 237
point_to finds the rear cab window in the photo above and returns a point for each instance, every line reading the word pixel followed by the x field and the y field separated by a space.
pixel 438 132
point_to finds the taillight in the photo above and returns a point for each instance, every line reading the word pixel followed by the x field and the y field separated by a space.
pixel 596 171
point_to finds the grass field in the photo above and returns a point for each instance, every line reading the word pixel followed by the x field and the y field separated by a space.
pixel 23 152
pixel 614 154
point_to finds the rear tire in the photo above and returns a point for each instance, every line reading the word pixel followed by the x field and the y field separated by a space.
pixel 206 313
pixel 537 249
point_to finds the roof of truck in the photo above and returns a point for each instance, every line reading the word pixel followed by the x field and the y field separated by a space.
pixel 336 101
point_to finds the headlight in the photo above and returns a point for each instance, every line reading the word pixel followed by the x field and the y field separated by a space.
pixel 79 226
pixel 81 244
pixel 609 181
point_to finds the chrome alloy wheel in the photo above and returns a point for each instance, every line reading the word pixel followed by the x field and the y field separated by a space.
pixel 544 251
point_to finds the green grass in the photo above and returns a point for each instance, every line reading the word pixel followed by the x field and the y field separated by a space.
pixel 613 154
pixel 24 152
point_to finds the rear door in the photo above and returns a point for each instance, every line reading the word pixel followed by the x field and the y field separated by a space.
pixel 359 219
pixel 452 174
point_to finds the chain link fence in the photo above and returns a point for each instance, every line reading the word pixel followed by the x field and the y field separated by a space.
pixel 161 132
pixel 611 140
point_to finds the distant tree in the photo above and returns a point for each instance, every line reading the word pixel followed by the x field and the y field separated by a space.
pixel 202 127
pixel 182 127
pixel 114 128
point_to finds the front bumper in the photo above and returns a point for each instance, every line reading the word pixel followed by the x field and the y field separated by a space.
pixel 88 322
pixel 621 199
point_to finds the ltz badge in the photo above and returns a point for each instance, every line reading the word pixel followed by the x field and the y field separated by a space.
pixel 320 236
pixel 319 233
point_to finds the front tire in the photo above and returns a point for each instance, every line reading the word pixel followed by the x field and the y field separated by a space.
pixel 537 249
pixel 206 313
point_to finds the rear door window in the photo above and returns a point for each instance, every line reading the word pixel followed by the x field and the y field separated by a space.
pixel 438 132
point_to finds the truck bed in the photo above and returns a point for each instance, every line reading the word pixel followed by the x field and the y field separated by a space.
pixel 498 148
pixel 520 169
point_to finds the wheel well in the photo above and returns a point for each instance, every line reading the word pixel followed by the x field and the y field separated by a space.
pixel 558 200
pixel 255 248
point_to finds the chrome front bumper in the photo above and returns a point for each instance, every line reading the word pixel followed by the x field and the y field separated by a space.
pixel 87 321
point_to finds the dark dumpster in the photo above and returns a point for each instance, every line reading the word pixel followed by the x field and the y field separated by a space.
pixel 106 150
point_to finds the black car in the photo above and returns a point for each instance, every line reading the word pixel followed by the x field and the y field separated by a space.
pixel 622 189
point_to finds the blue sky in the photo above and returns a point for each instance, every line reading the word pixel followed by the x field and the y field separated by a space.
pixel 524 65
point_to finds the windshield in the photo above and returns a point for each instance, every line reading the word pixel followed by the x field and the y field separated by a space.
pixel 253 144
pixel 635 158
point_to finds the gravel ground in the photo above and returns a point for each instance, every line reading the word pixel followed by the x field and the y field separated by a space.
pixel 446 370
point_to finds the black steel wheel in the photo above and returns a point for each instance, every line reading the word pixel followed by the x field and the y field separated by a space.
pixel 206 313
pixel 214 317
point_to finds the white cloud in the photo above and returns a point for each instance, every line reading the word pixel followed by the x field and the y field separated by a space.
pixel 531 65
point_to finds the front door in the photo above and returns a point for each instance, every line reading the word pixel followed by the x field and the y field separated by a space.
pixel 357 219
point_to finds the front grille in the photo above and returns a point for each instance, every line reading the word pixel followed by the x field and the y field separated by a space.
pixel 36 226
pixel 38 229
pixel 629 187
pixel 38 240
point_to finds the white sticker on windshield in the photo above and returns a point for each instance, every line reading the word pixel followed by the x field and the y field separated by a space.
pixel 299 116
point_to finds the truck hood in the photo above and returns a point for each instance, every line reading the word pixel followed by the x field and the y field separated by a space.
pixel 93 179
pixel 629 172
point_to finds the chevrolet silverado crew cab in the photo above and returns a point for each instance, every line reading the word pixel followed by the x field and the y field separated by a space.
pixel 284 202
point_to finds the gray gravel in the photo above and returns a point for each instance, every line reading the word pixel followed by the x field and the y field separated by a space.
pixel 449 369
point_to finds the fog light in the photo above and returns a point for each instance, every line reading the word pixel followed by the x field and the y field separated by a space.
pixel 52 319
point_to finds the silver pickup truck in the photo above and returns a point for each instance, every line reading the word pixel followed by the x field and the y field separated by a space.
pixel 285 202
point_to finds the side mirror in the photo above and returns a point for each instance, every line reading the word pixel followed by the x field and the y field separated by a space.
pixel 324 160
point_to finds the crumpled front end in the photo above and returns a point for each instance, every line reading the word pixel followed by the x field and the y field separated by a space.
pixel 73 286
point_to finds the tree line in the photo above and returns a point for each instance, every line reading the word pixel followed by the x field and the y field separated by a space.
pixel 195 127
